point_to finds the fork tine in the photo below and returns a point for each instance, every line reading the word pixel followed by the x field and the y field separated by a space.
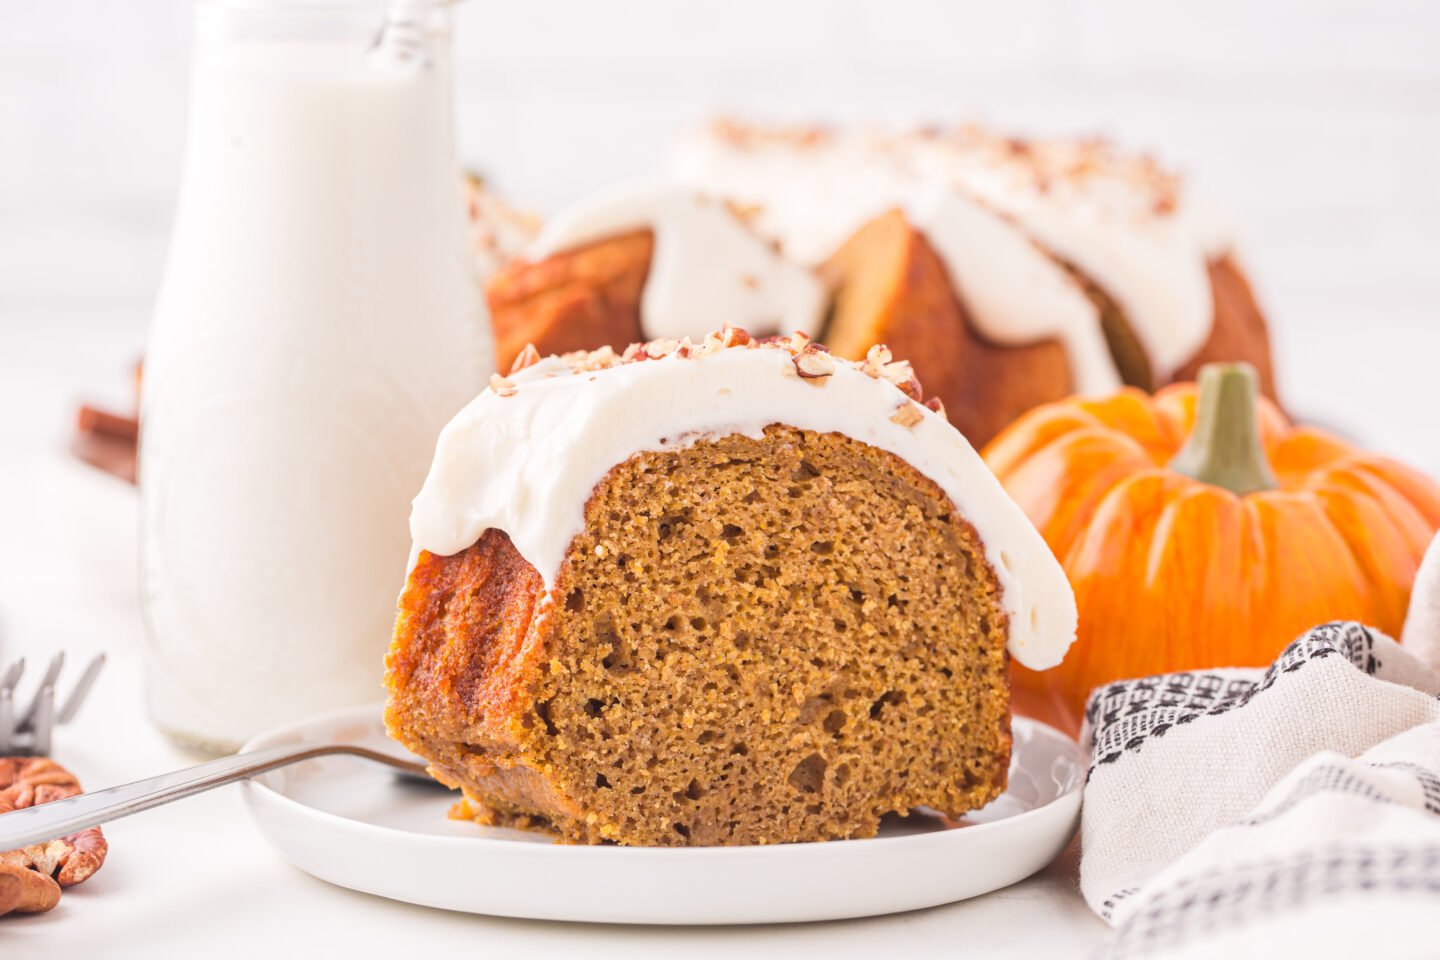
pixel 27 719
pixel 43 720
pixel 7 716
pixel 12 676
pixel 87 680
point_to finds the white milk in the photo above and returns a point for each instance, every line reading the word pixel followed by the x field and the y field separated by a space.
pixel 318 324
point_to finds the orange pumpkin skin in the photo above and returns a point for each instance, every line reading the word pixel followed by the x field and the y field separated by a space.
pixel 1174 574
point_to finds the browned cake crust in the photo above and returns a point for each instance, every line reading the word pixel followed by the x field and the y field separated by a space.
pixel 892 288
pixel 577 300
pixel 753 641
pixel 1132 363
pixel 1239 331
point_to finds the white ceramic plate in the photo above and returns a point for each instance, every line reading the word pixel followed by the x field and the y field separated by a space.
pixel 356 824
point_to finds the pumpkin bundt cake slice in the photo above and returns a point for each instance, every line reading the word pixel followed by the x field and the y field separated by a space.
pixel 730 593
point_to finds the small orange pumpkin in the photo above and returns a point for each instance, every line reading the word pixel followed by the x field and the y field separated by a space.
pixel 1201 529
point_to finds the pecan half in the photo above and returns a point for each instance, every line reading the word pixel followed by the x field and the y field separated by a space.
pixel 28 782
pixel 69 860
pixel 12 892
pixel 26 891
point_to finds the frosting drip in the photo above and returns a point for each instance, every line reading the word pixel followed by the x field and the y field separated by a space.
pixel 1119 219
pixel 1011 288
pixel 709 268
pixel 527 462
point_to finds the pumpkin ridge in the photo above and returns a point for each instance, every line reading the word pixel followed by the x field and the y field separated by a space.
pixel 1111 506
pixel 1398 512
pixel 1296 456
pixel 1063 499
pixel 1182 499
pixel 1356 474
pixel 1043 427
pixel 1304 575
pixel 1374 540
pixel 1128 411
pixel 1413 486
pixel 1256 564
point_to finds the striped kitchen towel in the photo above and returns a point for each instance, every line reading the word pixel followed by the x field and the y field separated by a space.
pixel 1293 811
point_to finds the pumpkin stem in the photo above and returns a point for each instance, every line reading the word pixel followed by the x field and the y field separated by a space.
pixel 1224 447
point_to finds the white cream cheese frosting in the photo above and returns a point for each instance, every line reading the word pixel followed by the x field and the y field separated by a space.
pixel 1117 218
pixel 526 459
pixel 708 267
pixel 1010 288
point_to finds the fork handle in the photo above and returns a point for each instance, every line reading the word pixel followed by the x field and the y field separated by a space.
pixel 60 818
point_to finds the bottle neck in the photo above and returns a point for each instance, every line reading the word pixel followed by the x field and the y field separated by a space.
pixel 361 24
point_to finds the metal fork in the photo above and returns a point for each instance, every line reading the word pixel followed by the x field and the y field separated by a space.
pixel 28 732
pixel 60 818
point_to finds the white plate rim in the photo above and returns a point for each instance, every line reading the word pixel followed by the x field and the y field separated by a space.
pixel 276 737
pixel 1059 818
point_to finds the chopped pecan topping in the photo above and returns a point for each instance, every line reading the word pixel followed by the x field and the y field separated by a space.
pixel 746 213
pixel 528 358
pixel 735 337
pixel 663 347
pixel 588 361
pixel 875 360
pixel 907 415
pixel 900 373
pixel 814 362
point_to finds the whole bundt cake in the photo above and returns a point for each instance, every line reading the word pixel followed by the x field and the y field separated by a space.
pixel 1012 273
pixel 725 592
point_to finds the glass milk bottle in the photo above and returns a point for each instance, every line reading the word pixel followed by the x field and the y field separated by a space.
pixel 319 322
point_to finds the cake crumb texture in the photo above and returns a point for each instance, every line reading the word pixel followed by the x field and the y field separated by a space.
pixel 754 640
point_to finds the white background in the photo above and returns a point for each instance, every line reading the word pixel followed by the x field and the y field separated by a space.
pixel 1317 124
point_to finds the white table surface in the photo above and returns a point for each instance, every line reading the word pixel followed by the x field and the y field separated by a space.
pixel 196 879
